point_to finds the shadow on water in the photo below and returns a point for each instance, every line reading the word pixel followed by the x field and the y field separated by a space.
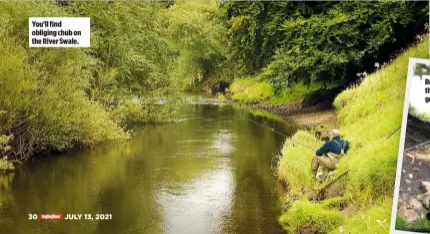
pixel 209 172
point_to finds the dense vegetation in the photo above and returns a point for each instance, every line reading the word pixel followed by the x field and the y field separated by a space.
pixel 283 43
pixel 372 160
pixel 55 99
pixel 290 41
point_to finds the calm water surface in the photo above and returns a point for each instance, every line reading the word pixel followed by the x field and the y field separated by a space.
pixel 209 172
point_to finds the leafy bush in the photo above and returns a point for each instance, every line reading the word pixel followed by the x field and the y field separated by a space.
pixel 43 93
pixel 325 41
pixel 6 165
pixel 192 30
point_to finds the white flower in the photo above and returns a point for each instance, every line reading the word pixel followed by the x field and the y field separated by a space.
pixel 340 229
pixel 377 65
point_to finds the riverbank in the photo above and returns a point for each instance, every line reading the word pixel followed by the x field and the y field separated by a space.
pixel 304 106
pixel 302 117
pixel 367 114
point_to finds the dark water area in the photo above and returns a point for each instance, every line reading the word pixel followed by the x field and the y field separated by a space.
pixel 208 172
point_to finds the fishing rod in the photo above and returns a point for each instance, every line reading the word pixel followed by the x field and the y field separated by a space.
pixel 397 129
pixel 307 147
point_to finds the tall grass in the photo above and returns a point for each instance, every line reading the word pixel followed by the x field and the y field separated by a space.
pixel 294 166
pixel 368 114
pixel 255 90
pixel 305 215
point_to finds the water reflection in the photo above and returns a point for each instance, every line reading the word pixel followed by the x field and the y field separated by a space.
pixel 209 173
pixel 202 204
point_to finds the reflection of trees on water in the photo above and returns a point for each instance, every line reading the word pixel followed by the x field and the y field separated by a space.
pixel 5 193
pixel 255 200
pixel 6 181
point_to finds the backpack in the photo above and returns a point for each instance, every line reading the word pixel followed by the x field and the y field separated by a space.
pixel 342 148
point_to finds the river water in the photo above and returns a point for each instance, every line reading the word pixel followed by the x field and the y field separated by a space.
pixel 208 172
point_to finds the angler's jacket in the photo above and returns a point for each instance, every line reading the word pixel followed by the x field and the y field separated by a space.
pixel 334 146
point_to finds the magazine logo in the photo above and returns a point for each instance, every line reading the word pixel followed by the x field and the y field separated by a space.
pixel 51 217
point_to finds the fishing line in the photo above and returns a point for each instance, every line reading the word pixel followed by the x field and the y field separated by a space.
pixel 281 134
pixel 307 147
pixel 263 125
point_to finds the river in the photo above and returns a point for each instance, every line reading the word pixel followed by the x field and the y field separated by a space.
pixel 208 172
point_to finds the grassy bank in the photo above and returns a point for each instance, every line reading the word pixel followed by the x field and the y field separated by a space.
pixel 251 90
pixel 368 113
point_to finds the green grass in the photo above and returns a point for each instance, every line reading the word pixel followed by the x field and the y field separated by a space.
pixel 251 90
pixel 374 220
pixel 422 224
pixel 368 114
pixel 304 214
pixel 294 166
pixel 297 92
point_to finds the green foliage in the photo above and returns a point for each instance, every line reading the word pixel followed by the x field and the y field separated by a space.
pixel 303 215
pixel 47 109
pixel 253 29
pixel 192 30
pixel 250 90
pixel 4 147
pixel 253 90
pixel 43 91
pixel 6 165
pixel 60 98
pixel 326 41
pixel 132 56
pixel 221 97
pixel 420 226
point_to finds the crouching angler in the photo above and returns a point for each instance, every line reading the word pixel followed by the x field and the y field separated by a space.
pixel 327 157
